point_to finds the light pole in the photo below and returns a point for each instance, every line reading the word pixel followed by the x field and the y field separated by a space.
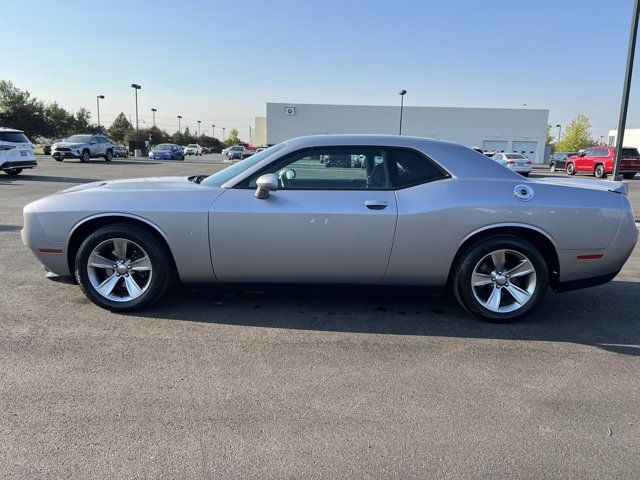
pixel 98 103
pixel 136 87
pixel 199 122
pixel 223 128
pixel 402 93
pixel 179 117
pixel 559 127
pixel 154 110
pixel 622 122
pixel 213 131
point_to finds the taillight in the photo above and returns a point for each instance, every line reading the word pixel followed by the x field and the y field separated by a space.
pixel 6 147
pixel 529 162
pixel 510 162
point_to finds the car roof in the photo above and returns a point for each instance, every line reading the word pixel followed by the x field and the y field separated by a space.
pixel 12 130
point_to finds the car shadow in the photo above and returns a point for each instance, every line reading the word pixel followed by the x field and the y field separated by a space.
pixel 606 317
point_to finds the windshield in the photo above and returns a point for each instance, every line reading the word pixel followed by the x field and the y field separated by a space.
pixel 164 146
pixel 235 149
pixel 223 176
pixel 79 139
pixel 192 146
pixel 513 156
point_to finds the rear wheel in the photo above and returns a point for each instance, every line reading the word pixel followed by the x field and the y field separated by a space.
pixel 628 176
pixel 571 169
pixel 599 171
pixel 13 172
pixel 85 157
pixel 122 267
pixel 501 279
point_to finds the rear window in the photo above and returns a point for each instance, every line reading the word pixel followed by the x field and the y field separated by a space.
pixel 412 168
pixel 13 137
pixel 632 152
pixel 514 156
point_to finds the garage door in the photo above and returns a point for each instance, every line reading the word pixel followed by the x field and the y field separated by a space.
pixel 528 149
pixel 494 146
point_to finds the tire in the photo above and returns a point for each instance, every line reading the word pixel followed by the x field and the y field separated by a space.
pixel 571 169
pixel 525 174
pixel 552 168
pixel 109 156
pixel 57 159
pixel 628 176
pixel 13 172
pixel 152 279
pixel 599 171
pixel 85 157
pixel 478 262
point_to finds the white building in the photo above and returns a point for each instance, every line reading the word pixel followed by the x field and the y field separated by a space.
pixel 521 130
pixel 631 137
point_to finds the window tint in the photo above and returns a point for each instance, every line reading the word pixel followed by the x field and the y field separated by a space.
pixel 412 168
pixel 13 137
pixel 349 168
pixel 633 152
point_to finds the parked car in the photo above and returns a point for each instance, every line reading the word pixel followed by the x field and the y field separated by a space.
pixel 193 149
pixel 47 148
pixel 420 212
pixel 558 160
pixel 514 161
pixel 598 161
pixel 225 151
pixel 167 151
pixel 16 152
pixel 336 160
pixel 216 149
pixel 235 152
pixel 206 151
pixel 120 151
pixel 247 153
pixel 84 147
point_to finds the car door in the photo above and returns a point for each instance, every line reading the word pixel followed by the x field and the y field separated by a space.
pixel 323 224
pixel 585 163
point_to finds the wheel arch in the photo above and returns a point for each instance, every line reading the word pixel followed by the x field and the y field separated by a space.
pixel 90 224
pixel 538 237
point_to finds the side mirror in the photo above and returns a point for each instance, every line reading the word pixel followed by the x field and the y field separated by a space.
pixel 582 154
pixel 266 183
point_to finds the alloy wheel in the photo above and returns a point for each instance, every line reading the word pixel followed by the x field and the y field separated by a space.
pixel 504 281
pixel 119 270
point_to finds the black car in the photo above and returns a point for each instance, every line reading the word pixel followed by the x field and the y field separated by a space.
pixel 558 160
pixel 120 151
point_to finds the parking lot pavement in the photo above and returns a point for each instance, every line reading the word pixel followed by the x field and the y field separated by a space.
pixel 290 383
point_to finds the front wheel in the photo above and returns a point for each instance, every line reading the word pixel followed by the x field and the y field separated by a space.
pixel 85 157
pixel 552 168
pixel 13 172
pixel 571 169
pixel 108 156
pixel 628 176
pixel 122 267
pixel 501 279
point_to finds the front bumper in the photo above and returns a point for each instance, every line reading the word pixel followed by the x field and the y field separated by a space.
pixel 65 154
pixel 53 255
pixel 19 164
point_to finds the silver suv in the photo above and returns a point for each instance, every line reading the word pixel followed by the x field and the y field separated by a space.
pixel 84 147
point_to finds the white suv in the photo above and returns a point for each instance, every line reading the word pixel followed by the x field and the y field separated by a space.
pixel 193 149
pixel 16 151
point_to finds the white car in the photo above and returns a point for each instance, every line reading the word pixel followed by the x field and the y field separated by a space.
pixel 193 149
pixel 16 152
pixel 514 161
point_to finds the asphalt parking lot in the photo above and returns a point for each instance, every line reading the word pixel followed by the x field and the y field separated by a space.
pixel 305 384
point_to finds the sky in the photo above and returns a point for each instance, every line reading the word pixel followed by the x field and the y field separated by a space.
pixel 221 61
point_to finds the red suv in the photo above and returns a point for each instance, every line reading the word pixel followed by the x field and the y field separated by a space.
pixel 599 162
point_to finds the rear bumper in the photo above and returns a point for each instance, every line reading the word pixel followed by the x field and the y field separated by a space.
pixel 19 164
pixel 585 282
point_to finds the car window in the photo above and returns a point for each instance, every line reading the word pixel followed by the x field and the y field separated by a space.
pixel 410 168
pixel 632 152
pixel 339 168
pixel 13 137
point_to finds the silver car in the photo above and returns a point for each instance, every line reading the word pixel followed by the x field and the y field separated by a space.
pixel 84 147
pixel 514 161
pixel 414 212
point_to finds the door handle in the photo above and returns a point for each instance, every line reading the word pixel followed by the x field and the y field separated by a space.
pixel 375 204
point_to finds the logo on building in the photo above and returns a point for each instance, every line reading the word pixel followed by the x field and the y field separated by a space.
pixel 290 110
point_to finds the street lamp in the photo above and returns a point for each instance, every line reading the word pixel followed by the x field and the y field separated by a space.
pixel 179 117
pixel 199 122
pixel 223 128
pixel 154 110
pixel 98 102
pixel 402 93
pixel 136 87
pixel 559 127
pixel 213 131
pixel 622 122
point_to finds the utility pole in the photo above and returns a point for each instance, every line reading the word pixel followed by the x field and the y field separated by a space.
pixel 136 87
pixel 179 117
pixel 199 122
pixel 213 131
pixel 622 122
pixel 98 103
pixel 153 111
pixel 559 131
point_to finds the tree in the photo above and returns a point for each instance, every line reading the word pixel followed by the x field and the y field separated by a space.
pixel 157 136
pixel 233 138
pixel 21 111
pixel 82 121
pixel 119 128
pixel 551 140
pixel 577 135
pixel 61 121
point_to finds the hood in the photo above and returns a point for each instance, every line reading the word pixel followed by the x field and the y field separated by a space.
pixel 136 184
pixel 593 184
pixel 69 144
